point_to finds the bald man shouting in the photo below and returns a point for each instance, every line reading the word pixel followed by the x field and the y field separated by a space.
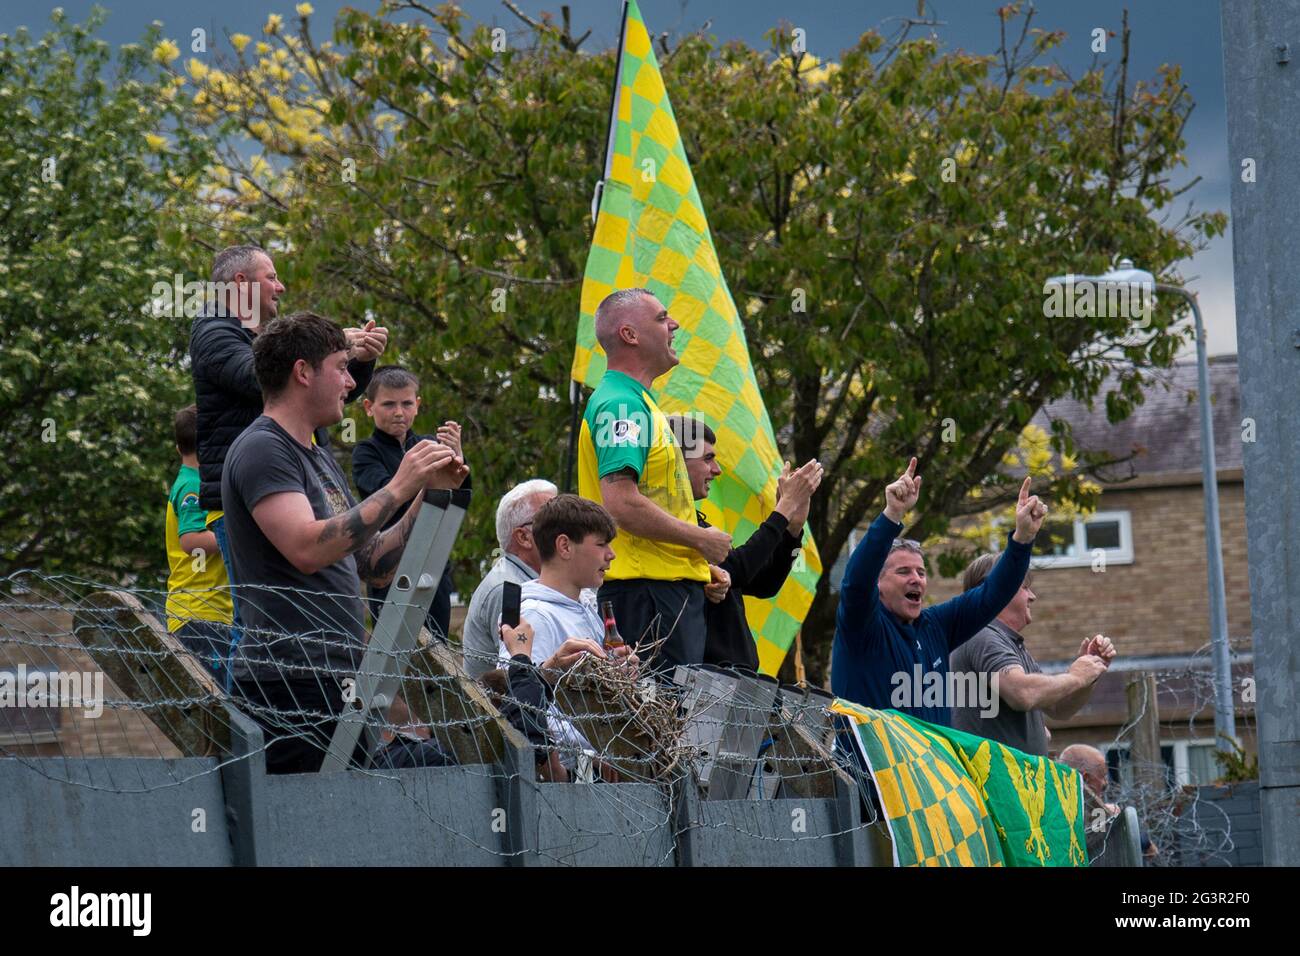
pixel 630 462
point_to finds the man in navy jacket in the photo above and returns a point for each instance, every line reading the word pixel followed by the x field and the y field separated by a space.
pixel 226 391
pixel 881 628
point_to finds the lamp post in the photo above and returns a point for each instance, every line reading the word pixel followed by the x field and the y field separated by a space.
pixel 1127 276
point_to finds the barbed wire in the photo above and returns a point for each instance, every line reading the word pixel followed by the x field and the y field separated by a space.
pixel 97 673
pixel 105 672
pixel 1185 828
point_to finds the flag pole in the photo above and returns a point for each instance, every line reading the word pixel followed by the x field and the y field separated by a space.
pixel 575 395
pixel 575 388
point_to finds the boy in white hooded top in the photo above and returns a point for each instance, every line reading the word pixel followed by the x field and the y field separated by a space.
pixel 572 535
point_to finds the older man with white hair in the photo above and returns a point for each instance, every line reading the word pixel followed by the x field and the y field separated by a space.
pixel 518 561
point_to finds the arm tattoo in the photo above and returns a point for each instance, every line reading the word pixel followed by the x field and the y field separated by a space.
pixel 623 474
pixel 353 524
pixel 377 559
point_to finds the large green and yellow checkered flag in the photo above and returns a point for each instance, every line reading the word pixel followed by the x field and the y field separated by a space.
pixel 935 812
pixel 957 799
pixel 651 232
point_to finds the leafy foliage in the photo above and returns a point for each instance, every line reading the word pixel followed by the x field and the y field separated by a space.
pixel 886 223
pixel 1238 765
pixel 88 380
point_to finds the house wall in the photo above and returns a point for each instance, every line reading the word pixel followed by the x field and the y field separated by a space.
pixel 1159 604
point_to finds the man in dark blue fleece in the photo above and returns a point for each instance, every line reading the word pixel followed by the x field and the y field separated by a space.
pixel 881 629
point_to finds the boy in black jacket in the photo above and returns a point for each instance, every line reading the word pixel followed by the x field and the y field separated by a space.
pixel 393 401
pixel 758 567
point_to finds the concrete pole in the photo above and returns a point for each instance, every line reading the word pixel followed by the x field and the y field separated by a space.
pixel 1261 74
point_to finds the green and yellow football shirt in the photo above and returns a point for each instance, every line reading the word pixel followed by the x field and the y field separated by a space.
pixel 195 590
pixel 624 428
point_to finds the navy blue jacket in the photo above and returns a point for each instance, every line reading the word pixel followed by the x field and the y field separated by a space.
pixel 872 644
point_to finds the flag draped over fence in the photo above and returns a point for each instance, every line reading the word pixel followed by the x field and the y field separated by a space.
pixel 651 231
pixel 955 799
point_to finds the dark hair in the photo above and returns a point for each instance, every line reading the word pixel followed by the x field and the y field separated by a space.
pixel 980 568
pixel 391 376
pixel 186 427
pixel 573 517
pixel 690 430
pixel 303 335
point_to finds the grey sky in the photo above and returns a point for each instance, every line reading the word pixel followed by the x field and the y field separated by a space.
pixel 1183 32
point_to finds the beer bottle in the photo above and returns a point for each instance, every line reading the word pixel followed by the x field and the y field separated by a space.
pixel 612 638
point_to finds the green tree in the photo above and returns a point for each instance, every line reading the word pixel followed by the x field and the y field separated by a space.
pixel 921 198
pixel 886 223
pixel 88 379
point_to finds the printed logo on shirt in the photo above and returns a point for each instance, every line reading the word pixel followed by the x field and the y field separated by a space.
pixel 626 426
pixel 334 497
pixel 624 431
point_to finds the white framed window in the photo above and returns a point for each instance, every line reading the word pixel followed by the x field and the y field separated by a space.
pixel 1187 762
pixel 1103 535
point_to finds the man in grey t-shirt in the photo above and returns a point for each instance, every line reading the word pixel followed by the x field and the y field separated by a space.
pixel 292 617
pixel 300 544
pixel 1026 696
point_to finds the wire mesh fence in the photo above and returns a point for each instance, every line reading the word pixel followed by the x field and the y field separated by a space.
pixel 97 672
pixel 104 672
pixel 1167 781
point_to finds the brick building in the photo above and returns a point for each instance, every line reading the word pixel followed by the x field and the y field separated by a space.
pixel 43 639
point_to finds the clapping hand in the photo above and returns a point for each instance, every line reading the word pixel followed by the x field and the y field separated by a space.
pixel 794 491
pixel 368 342
pixel 1099 646
pixel 449 468
pixel 429 465
pixel 449 435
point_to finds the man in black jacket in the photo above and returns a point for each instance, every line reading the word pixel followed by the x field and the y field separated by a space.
pixel 225 386
pixel 758 567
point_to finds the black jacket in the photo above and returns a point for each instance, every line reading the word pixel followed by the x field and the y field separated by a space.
pixel 228 396
pixel 525 707
pixel 374 463
pixel 758 568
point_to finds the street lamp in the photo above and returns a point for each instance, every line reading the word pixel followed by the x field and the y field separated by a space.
pixel 1126 275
